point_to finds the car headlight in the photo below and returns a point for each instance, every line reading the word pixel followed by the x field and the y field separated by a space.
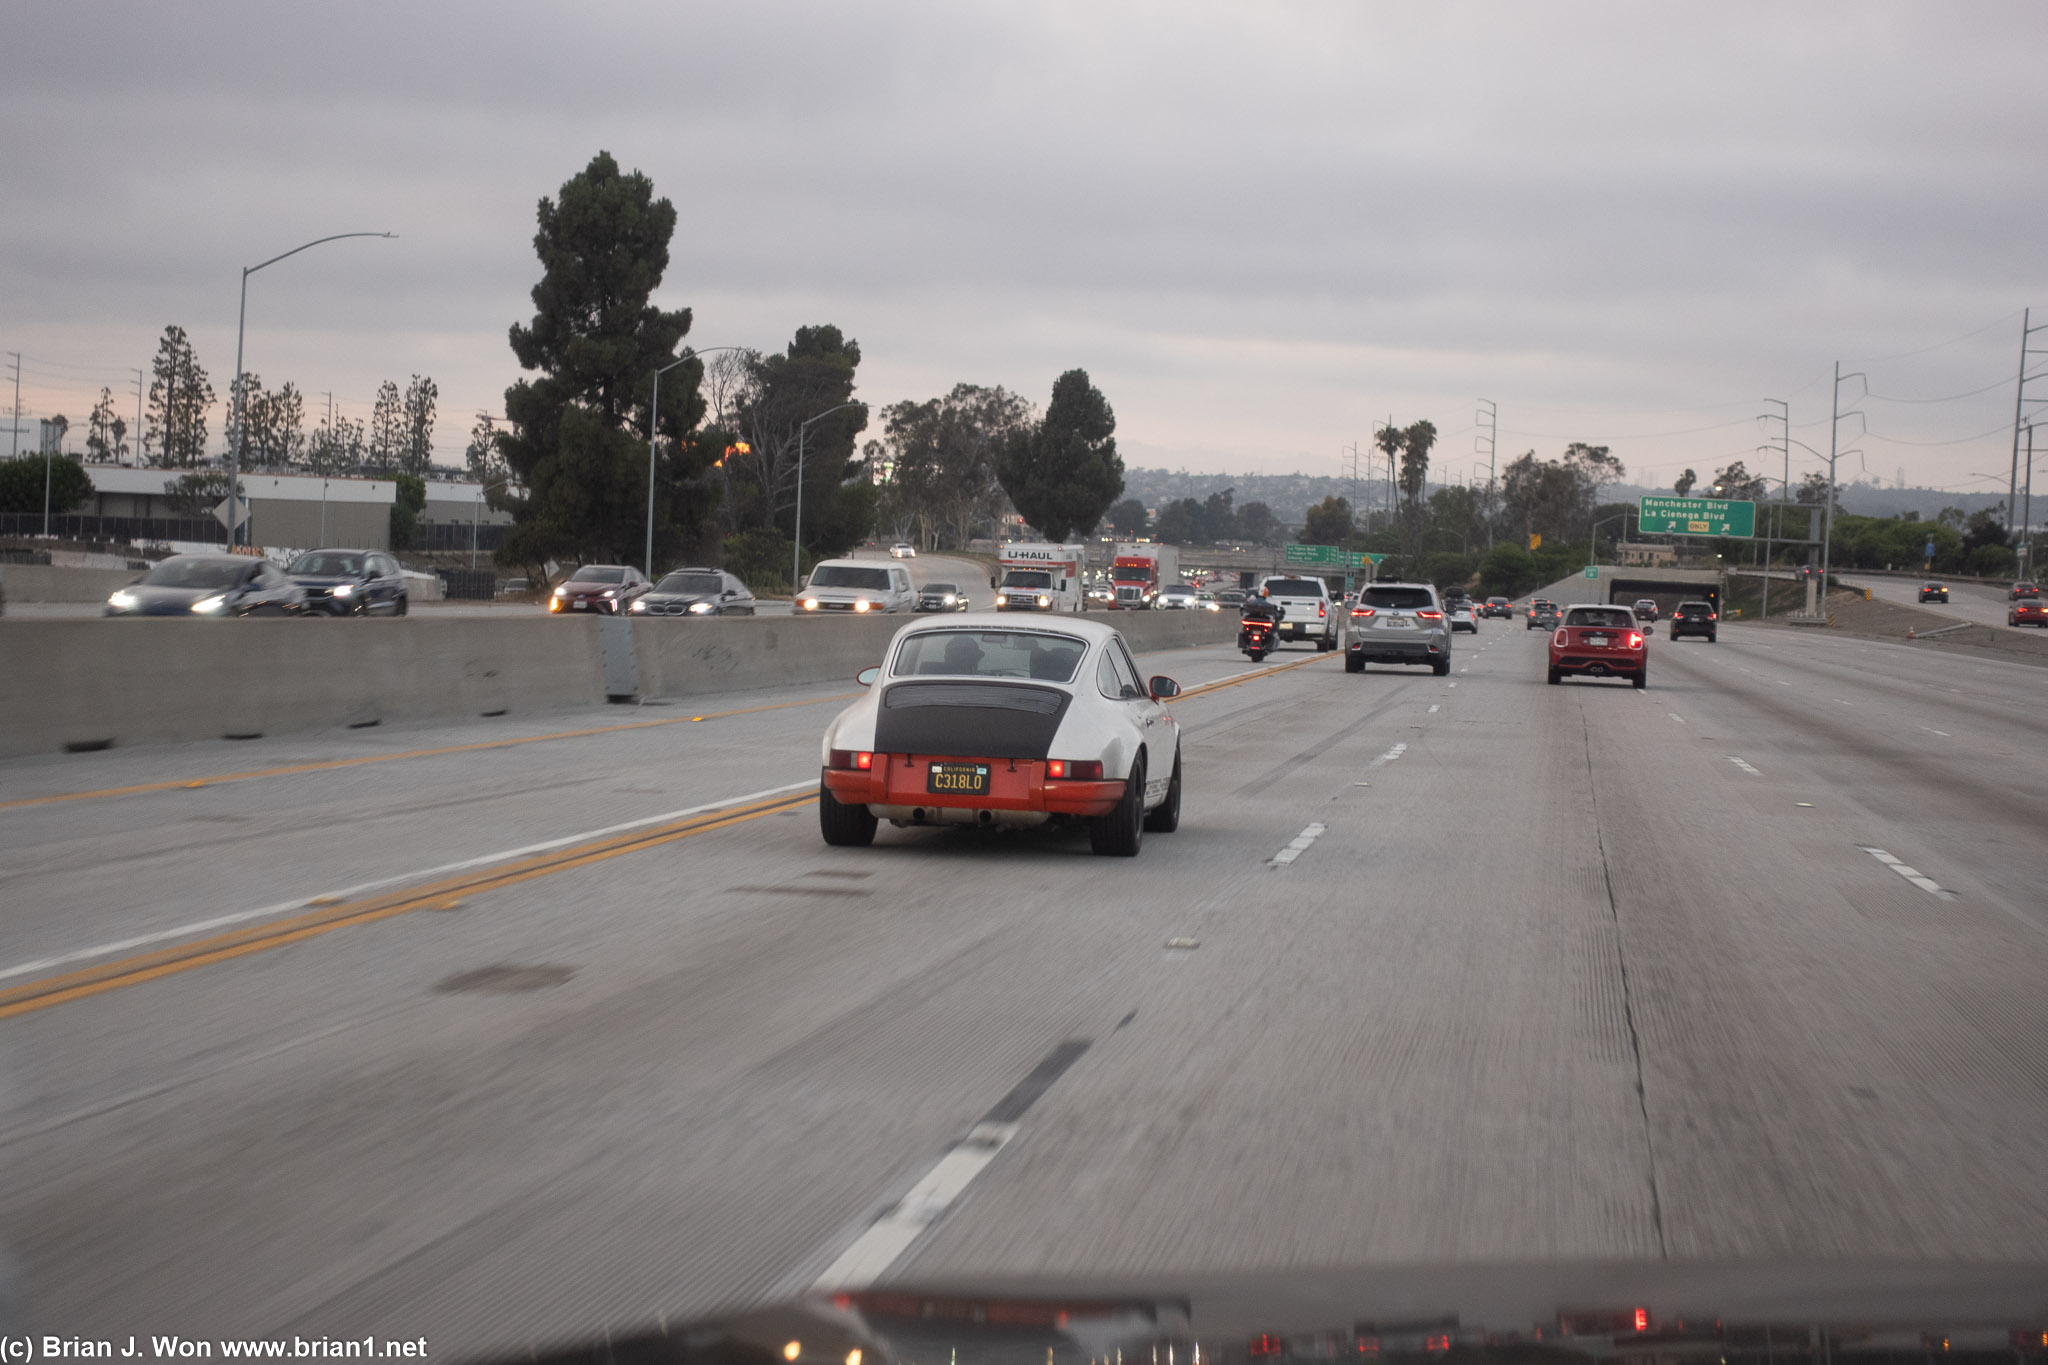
pixel 951 599
pixel 211 606
pixel 862 605
pixel 1044 601
pixel 639 605
pixel 696 608
pixel 122 600
pixel 609 592
pixel 810 604
pixel 345 590
pixel 562 591
pixel 1002 599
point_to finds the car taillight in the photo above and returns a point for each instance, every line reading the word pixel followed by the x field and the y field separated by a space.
pixel 850 760
pixel 1713 616
pixel 1561 638
pixel 1075 769
pixel 1635 640
pixel 1321 610
pixel 1428 615
pixel 1361 611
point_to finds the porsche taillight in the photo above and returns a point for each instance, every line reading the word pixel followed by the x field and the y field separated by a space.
pixel 850 760
pixel 1074 769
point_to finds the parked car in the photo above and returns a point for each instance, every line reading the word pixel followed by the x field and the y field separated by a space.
pixel 599 587
pixel 1695 618
pixel 696 592
pixel 1934 592
pixel 856 585
pixel 350 582
pixel 941 597
pixel 1599 641
pixel 210 585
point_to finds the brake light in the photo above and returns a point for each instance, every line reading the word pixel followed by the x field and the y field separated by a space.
pixel 1635 640
pixel 1642 1319
pixel 850 760
pixel 1713 616
pixel 1322 610
pixel 1074 769
pixel 1429 615
pixel 1361 611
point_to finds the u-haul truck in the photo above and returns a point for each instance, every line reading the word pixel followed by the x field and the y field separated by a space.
pixel 1040 577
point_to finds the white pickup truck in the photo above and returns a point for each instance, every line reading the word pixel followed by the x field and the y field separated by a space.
pixel 1310 614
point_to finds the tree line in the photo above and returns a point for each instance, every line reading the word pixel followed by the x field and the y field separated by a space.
pixel 743 442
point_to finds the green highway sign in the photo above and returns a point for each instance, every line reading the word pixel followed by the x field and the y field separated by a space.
pixel 1332 555
pixel 1696 517
pixel 1592 571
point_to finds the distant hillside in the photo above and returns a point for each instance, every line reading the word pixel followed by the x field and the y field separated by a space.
pixel 1291 495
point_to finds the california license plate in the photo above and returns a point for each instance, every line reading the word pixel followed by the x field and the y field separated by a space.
pixel 957 779
pixel 1597 641
pixel 1395 623
pixel 578 606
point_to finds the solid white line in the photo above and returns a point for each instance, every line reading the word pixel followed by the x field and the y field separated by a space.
pixel 1913 875
pixel 360 888
pixel 1744 766
pixel 875 1250
pixel 1675 716
pixel 1300 845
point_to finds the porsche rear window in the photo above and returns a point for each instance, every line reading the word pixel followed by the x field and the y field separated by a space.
pixel 989 654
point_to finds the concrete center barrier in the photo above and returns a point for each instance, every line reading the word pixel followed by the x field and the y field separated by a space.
pixel 53 583
pixel 91 683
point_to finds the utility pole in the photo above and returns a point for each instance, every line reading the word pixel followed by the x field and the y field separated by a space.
pixel 1784 491
pixel 135 450
pixel 2027 515
pixel 15 356
pixel 1489 414
pixel 2019 407
pixel 1827 541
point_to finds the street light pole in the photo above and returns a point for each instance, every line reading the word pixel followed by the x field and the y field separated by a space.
pixel 241 327
pixel 796 549
pixel 653 430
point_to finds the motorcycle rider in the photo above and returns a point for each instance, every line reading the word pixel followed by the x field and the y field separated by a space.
pixel 1258 607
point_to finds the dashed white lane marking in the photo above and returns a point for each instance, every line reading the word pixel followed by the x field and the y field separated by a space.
pixel 1389 756
pixel 891 1235
pixel 1453 684
pixel 1432 710
pixel 1782 683
pixel 1675 716
pixel 1744 766
pixel 1840 702
pixel 1932 731
pixel 1913 875
pixel 1300 845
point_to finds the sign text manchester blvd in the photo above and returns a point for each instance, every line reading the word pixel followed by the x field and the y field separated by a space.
pixel 1696 517
pixel 1328 554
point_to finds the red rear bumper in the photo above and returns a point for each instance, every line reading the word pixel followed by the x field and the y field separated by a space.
pixel 1013 784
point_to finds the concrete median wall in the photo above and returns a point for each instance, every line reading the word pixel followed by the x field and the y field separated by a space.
pixel 49 583
pixel 94 682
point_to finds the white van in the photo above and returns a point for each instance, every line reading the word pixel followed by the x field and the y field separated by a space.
pixel 858 585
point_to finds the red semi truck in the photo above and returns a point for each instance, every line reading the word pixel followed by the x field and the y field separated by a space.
pixel 1138 572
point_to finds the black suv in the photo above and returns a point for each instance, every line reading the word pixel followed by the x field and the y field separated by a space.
pixel 1695 618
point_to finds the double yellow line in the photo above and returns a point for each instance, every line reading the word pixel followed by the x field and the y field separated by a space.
pixel 444 894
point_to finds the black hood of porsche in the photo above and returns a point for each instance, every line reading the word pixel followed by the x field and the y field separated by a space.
pixel 969 718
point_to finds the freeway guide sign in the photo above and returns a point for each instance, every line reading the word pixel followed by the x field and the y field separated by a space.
pixel 1332 555
pixel 1696 517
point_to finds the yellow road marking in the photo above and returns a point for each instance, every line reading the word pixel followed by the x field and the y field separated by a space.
pixel 444 894
pixel 1222 683
pixel 324 765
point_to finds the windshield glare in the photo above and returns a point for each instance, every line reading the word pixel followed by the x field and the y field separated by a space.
pixel 850 576
pixel 598 573
pixel 689 582
pixel 1027 578
pixel 989 654
pixel 327 562
pixel 196 573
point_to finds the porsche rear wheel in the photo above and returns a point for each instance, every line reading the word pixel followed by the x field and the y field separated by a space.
pixel 844 826
pixel 1164 818
pixel 1118 834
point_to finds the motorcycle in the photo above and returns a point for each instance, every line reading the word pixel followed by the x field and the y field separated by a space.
pixel 1255 638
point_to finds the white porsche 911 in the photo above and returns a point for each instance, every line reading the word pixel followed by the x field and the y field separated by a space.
pixel 978 720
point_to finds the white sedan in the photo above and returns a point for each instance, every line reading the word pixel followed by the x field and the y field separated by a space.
pixel 1175 597
pixel 982 721
pixel 903 549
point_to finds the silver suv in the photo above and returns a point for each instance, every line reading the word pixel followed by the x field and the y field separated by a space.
pixel 1398 623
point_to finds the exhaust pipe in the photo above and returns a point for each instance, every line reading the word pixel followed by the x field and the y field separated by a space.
pixel 986 817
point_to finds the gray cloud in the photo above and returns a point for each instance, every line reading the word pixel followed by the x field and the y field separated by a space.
pixel 1261 228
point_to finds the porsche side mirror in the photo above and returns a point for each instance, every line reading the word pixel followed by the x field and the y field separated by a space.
pixel 866 677
pixel 1164 687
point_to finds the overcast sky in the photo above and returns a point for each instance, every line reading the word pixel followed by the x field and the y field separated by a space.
pixel 1262 228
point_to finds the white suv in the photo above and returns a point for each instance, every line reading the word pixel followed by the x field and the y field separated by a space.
pixel 1310 614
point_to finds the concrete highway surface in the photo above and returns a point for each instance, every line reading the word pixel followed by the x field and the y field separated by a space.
pixel 509 1033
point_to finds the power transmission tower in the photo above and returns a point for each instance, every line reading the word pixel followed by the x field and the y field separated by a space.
pixel 2019 409
pixel 1490 415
